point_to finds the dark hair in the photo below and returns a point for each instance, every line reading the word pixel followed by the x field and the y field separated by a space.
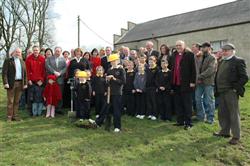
pixel 94 51
pixel 86 53
pixel 173 50
pixel 65 52
pixel 166 48
pixel 154 58
pixel 48 49
pixel 143 56
pixel 197 45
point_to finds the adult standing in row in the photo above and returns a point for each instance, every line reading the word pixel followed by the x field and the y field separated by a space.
pixel 48 53
pixel 104 59
pixel 204 93
pixel 35 65
pixel 78 62
pixel 66 91
pixel 230 79
pixel 196 49
pixel 164 54
pixel 14 80
pixel 150 50
pixel 183 79
pixel 56 65
pixel 95 60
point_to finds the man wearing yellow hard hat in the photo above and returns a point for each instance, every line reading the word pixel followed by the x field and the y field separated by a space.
pixel 116 78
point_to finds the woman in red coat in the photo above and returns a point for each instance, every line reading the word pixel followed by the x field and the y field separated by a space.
pixel 95 61
pixel 52 95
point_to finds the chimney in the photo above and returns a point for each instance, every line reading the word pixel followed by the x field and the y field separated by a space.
pixel 123 31
pixel 131 25
pixel 116 38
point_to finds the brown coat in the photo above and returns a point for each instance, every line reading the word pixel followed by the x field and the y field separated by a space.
pixel 207 69
pixel 9 72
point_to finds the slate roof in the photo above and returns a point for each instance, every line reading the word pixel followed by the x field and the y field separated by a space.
pixel 232 13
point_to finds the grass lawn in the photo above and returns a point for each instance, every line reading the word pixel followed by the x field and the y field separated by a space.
pixel 39 141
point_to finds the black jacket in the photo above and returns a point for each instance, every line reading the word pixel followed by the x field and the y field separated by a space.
pixel 163 79
pixel 83 91
pixel 105 64
pixel 154 53
pixel 129 86
pixel 74 65
pixel 36 93
pixel 188 70
pixel 151 77
pixel 116 86
pixel 99 85
pixel 238 75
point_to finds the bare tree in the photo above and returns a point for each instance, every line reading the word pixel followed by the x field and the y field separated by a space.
pixel 28 20
pixel 1 20
pixel 34 20
pixel 24 22
pixel 41 20
pixel 8 24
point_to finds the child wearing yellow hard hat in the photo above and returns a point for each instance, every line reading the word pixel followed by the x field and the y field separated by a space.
pixel 83 92
pixel 116 79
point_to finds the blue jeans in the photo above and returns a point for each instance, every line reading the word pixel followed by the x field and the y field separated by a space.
pixel 205 104
pixel 37 109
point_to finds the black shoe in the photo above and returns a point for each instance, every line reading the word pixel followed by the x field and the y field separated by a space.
pixel 221 135
pixel 188 127
pixel 234 141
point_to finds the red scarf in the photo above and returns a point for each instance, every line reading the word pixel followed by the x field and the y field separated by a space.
pixel 177 69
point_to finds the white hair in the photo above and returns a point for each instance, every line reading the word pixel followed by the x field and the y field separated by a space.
pixel 180 41
pixel 150 43
pixel 58 47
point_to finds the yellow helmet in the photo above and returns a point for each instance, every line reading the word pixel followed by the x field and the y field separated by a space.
pixel 81 74
pixel 113 57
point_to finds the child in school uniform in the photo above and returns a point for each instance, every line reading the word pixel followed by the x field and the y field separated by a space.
pixel 143 61
pixel 151 88
pixel 140 95
pixel 52 95
pixel 36 98
pixel 83 94
pixel 128 90
pixel 163 83
pixel 116 78
pixel 99 86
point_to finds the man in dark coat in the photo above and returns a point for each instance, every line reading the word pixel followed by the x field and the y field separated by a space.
pixel 230 79
pixel 183 79
pixel 104 60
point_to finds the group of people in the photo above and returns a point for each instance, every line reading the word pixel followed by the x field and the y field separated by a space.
pixel 142 83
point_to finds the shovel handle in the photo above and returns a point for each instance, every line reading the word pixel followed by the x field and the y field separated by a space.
pixel 108 95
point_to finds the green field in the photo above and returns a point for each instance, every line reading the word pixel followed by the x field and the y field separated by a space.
pixel 40 141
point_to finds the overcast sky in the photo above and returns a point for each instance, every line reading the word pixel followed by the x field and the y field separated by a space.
pixel 107 17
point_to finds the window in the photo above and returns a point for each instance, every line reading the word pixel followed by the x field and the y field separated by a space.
pixel 216 45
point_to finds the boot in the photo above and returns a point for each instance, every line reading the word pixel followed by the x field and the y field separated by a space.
pixel 52 111
pixel 48 111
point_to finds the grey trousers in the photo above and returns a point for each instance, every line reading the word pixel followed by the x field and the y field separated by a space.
pixel 228 113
